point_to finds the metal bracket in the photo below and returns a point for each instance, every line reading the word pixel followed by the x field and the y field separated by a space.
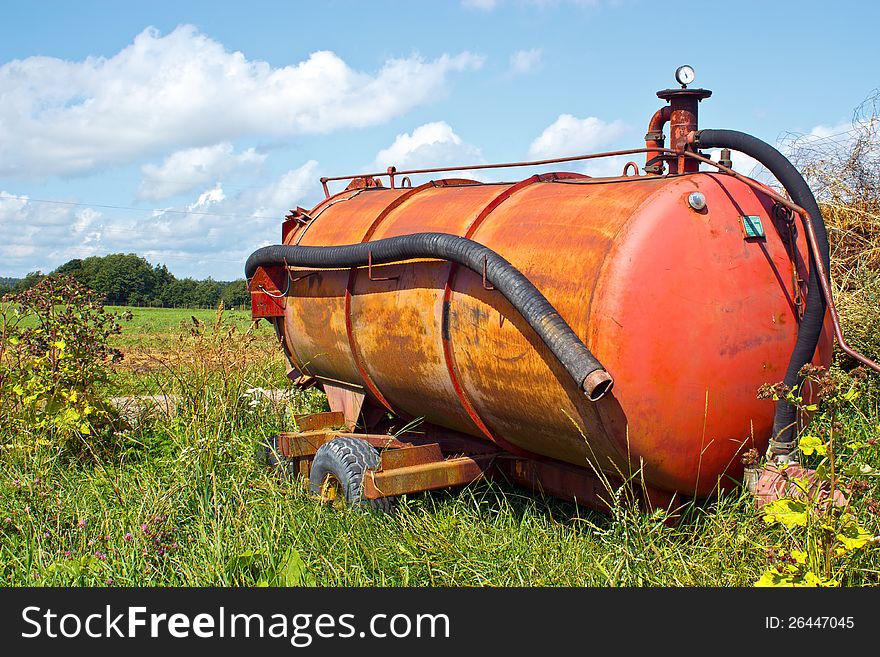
pixel 486 284
pixel 628 166
pixel 370 270
pixel 655 164
pixel 299 215
pixel 299 278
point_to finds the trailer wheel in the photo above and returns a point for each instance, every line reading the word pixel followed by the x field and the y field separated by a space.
pixel 337 475
pixel 267 452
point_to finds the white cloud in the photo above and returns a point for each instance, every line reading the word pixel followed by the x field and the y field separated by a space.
pixel 211 235
pixel 191 168
pixel 525 61
pixel 217 232
pixel 838 132
pixel 430 145
pixel 745 164
pixel 185 90
pixel 569 135
pixel 32 230
pixel 214 195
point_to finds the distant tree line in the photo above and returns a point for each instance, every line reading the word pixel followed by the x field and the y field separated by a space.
pixel 129 280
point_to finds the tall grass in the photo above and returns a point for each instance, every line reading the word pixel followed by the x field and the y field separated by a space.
pixel 183 502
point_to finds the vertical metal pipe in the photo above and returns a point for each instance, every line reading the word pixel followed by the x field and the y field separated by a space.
pixel 683 119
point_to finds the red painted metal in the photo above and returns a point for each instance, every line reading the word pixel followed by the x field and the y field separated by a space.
pixel 314 421
pixel 352 277
pixel 411 456
pixel 346 401
pixel 654 140
pixel 684 109
pixel 268 289
pixel 814 245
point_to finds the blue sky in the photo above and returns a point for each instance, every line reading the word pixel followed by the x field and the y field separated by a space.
pixel 204 122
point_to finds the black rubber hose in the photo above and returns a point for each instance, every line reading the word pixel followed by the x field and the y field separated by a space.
pixel 553 330
pixel 784 439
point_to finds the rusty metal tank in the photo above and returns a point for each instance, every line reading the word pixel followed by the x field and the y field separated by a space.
pixel 690 302
pixel 689 289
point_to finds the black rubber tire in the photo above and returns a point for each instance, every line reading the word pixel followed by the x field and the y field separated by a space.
pixel 267 452
pixel 268 455
pixel 347 460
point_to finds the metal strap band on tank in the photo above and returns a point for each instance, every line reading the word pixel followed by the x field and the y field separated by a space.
pixel 288 348
pixel 349 290
pixel 448 353
pixel 319 209
pixel 292 357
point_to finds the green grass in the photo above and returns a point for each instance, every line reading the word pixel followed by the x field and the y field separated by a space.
pixel 483 535
pixel 155 328
pixel 154 339
pixel 181 501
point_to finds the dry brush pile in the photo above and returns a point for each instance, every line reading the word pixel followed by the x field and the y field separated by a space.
pixel 844 172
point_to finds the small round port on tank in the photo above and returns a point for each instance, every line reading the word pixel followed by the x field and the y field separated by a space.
pixel 697 201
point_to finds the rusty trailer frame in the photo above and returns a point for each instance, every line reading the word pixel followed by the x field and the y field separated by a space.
pixel 436 458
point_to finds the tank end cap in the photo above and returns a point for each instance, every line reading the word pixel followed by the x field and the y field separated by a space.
pixel 597 384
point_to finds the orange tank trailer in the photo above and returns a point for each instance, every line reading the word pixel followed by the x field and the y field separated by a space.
pixel 690 302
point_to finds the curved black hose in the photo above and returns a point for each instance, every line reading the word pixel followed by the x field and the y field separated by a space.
pixel 784 439
pixel 553 330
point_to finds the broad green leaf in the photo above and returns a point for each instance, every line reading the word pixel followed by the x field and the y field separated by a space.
pixel 807 578
pixel 773 577
pixel 244 560
pixel 802 483
pixel 857 469
pixel 790 513
pixel 811 579
pixel 853 537
pixel 293 572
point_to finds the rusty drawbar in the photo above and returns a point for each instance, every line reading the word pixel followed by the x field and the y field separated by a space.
pixel 562 331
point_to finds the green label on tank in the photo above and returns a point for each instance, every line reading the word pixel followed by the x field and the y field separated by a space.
pixel 753 226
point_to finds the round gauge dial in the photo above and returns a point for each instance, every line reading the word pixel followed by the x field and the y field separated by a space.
pixel 685 75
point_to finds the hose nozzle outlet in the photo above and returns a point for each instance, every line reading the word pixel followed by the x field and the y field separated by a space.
pixel 597 383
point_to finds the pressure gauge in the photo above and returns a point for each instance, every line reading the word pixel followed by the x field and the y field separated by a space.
pixel 685 75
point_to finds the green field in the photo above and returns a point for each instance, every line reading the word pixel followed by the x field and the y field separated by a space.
pixel 155 328
pixel 152 339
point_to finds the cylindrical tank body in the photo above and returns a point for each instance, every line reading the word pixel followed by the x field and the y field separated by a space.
pixel 688 313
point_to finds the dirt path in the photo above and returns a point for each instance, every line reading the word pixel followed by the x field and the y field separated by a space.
pixel 138 406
